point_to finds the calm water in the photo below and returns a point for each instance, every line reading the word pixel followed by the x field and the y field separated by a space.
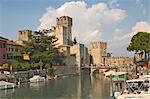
pixel 76 87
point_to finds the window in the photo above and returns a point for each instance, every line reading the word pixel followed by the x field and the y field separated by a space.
pixel 4 56
pixel 12 49
pixel 2 45
pixel 8 56
pixel 9 49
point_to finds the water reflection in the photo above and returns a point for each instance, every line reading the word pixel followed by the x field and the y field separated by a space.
pixel 37 85
pixel 6 93
pixel 77 87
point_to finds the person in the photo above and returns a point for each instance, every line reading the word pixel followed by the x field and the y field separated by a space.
pixel 18 81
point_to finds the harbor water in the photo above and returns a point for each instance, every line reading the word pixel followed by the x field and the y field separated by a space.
pixel 73 87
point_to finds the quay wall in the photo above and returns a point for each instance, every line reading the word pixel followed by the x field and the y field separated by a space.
pixel 66 70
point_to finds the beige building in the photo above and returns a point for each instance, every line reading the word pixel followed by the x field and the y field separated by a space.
pixel 98 52
pixel 70 59
pixel 75 54
pixel 86 56
pixel 24 35
pixel 119 61
pixel 78 50
pixel 62 30
pixel 100 56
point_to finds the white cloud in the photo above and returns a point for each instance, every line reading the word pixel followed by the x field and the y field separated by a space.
pixel 122 41
pixel 88 22
pixel 141 26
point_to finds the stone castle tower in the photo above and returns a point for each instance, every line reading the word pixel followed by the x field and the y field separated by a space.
pixel 25 35
pixel 98 52
pixel 63 30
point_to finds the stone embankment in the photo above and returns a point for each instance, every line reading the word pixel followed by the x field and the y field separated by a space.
pixel 23 76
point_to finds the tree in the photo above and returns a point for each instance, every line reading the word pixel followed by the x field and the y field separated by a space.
pixel 42 51
pixel 16 65
pixel 140 43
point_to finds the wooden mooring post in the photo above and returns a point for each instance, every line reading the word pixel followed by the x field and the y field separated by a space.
pixel 111 86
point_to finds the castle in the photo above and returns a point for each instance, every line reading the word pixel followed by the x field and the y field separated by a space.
pixel 77 54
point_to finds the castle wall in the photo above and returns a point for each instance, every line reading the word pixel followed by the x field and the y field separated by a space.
pixel 86 56
pixel 69 60
pixel 98 52
pixel 119 61
pixel 78 50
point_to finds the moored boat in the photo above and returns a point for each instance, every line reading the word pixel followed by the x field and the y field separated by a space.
pixel 37 78
pixel 136 89
pixel 6 85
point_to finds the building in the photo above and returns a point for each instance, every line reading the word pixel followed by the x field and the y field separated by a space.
pixel 9 50
pixel 119 61
pixel 24 35
pixel 100 56
pixel 76 54
pixel 86 56
pixel 78 51
pixel 3 51
pixel 98 52
pixel 13 51
pixel 70 59
pixel 62 30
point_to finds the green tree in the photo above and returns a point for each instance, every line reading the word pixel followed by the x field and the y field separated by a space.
pixel 16 65
pixel 42 51
pixel 140 43
pixel 25 65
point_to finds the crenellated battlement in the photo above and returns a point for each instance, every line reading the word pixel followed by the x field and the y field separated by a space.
pixel 102 45
pixel 64 21
pixel 25 35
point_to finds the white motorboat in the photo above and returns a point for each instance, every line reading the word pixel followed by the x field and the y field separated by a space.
pixel 108 73
pixel 6 85
pixel 136 89
pixel 37 78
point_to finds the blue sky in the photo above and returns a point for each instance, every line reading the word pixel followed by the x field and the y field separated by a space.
pixel 129 16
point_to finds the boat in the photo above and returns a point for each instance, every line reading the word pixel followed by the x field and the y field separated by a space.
pixel 116 75
pixel 6 85
pixel 37 78
pixel 135 89
pixel 108 73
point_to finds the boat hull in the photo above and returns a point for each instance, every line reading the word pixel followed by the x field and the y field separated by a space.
pixel 37 79
pixel 6 85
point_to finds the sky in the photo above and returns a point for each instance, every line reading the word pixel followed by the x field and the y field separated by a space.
pixel 111 21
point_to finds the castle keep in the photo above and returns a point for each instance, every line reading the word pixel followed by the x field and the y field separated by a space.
pixel 62 30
